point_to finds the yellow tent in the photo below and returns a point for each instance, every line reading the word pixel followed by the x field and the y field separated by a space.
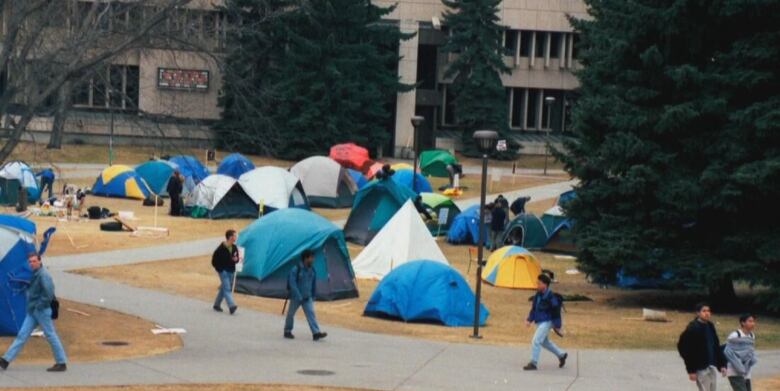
pixel 512 267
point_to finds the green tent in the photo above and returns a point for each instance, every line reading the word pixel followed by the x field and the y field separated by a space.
pixel 434 162
pixel 9 191
pixel 438 203
pixel 526 230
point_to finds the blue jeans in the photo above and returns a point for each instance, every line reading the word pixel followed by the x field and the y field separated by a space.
pixel 37 318
pixel 541 339
pixel 308 309
pixel 225 289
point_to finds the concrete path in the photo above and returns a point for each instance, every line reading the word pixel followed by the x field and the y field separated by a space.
pixel 248 347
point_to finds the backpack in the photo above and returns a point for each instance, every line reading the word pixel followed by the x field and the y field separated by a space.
pixel 55 308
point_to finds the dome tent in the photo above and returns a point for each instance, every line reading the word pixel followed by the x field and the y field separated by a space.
pixel 17 238
pixel 350 155
pixel 525 230
pixel 326 183
pixel 274 188
pixel 121 181
pixel 157 173
pixel 465 227
pixel 438 203
pixel 273 245
pixel 15 174
pixel 434 162
pixel 234 165
pixel 190 167
pixel 374 206
pixel 403 177
pixel 220 196
pixel 512 267
pixel 425 291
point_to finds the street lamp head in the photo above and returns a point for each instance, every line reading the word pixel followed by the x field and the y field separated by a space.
pixel 549 100
pixel 417 120
pixel 486 140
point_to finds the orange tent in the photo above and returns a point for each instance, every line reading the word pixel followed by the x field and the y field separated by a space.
pixel 350 155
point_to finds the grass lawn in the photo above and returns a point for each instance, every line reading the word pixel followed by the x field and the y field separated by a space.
pixel 193 387
pixel 767 384
pixel 612 312
pixel 83 335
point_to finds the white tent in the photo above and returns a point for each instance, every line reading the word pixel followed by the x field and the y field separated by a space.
pixel 21 171
pixel 325 182
pixel 404 238
pixel 273 187
pixel 210 191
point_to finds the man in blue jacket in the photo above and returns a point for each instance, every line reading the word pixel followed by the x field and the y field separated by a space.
pixel 301 283
pixel 546 313
pixel 47 180
pixel 40 294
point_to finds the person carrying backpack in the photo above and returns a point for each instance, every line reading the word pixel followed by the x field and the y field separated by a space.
pixel 546 313
pixel 302 286
pixel 741 354
pixel 224 260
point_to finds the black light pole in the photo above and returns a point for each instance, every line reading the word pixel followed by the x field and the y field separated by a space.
pixel 417 121
pixel 111 131
pixel 548 101
pixel 486 140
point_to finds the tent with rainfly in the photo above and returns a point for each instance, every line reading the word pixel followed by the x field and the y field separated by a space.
pixel 17 238
pixel 273 188
pixel 14 174
pixel 350 155
pixel 404 238
pixel 465 227
pixel 426 291
pixel 121 181
pixel 374 206
pixel 234 165
pixel 434 162
pixel 440 204
pixel 220 196
pixel 326 183
pixel 157 173
pixel 273 245
pixel 525 230
pixel 403 177
pixel 512 267
pixel 190 167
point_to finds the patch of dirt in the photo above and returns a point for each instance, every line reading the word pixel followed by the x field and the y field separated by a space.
pixel 194 387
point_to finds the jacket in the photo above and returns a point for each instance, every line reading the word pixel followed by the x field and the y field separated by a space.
pixel 498 219
pixel 692 346
pixel 174 187
pixel 223 259
pixel 546 306
pixel 302 283
pixel 40 292
pixel 740 353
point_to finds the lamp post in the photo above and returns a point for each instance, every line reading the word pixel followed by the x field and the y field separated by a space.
pixel 111 131
pixel 548 101
pixel 417 121
pixel 486 141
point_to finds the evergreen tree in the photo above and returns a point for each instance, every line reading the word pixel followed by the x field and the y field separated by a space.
pixel 480 98
pixel 319 73
pixel 679 142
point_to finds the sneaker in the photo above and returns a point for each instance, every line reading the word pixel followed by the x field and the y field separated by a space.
pixel 233 309
pixel 319 336
pixel 217 308
pixel 57 368
pixel 3 363
pixel 530 367
pixel 562 360
pixel 289 335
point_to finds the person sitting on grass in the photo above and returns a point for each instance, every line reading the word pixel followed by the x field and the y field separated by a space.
pixel 301 284
pixel 546 313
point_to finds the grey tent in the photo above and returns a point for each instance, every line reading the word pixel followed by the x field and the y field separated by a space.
pixel 325 182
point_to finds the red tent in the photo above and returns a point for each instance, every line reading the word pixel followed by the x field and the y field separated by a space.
pixel 350 155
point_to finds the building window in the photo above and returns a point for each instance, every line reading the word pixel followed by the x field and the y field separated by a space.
pixel 510 42
pixel 525 43
pixel 555 45
pixel 575 46
pixel 448 108
pixel 114 87
pixel 530 117
pixel 518 107
pixel 541 41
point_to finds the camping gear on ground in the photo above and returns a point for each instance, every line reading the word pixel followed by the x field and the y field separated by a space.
pixel 274 188
pixel 404 238
pixel 326 183
pixel 111 226
pixel 190 167
pixel 434 162
pixel 465 227
pixel 14 175
pixel 624 279
pixel 403 177
pixel 235 165
pixel 350 155
pixel 220 196
pixel 17 238
pixel 425 290
pixel 121 181
pixel 153 201
pixel 512 267
pixel 273 245
pixel 374 205
pixel 654 315
pixel 525 230
pixel 358 178
pixel 94 212
pixel 445 209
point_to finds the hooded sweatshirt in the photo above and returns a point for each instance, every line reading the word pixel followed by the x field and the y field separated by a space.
pixel 740 353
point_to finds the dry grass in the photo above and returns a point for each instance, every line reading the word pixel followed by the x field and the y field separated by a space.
pixel 768 384
pixel 193 387
pixel 522 161
pixel 613 312
pixel 506 183
pixel 82 336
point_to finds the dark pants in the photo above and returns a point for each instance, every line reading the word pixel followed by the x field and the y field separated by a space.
pixel 175 204
pixel 739 383
pixel 47 183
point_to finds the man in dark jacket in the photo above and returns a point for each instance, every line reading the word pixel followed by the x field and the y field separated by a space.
pixel 224 260
pixel 175 187
pixel 302 285
pixel 699 347
pixel 497 224
pixel 40 294
pixel 546 313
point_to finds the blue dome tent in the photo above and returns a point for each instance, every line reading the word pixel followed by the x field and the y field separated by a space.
pixel 234 165
pixel 17 238
pixel 190 167
pixel 374 205
pixel 465 227
pixel 403 177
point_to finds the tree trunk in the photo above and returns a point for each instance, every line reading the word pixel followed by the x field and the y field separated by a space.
pixel 60 115
pixel 722 291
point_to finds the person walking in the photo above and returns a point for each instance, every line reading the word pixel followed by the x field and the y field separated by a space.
pixel 224 261
pixel 546 313
pixel 497 224
pixel 699 348
pixel 47 181
pixel 740 353
pixel 302 286
pixel 174 188
pixel 40 294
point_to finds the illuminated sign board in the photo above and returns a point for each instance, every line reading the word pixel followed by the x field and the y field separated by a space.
pixel 183 79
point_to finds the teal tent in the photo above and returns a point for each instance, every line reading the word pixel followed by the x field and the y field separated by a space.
pixel 156 173
pixel 374 205
pixel 526 230
pixel 273 245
